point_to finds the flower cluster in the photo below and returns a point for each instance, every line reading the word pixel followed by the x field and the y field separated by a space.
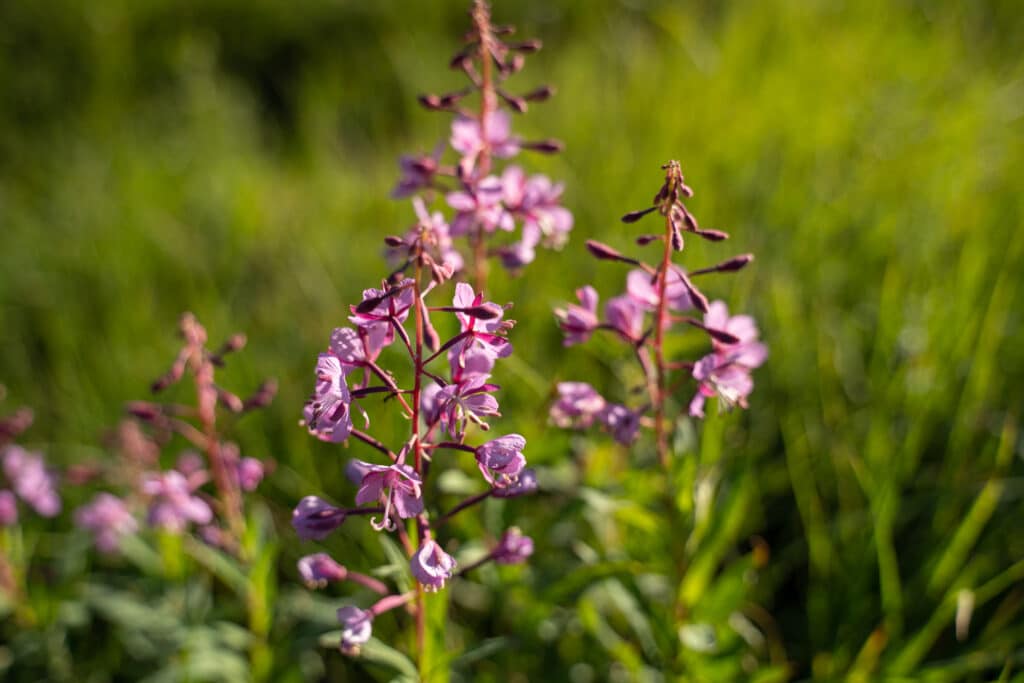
pixel 176 500
pixel 484 201
pixel 658 298
pixel 448 400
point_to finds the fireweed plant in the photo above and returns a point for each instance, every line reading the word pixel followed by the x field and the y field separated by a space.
pixel 487 201
pixel 658 300
pixel 181 499
pixel 449 398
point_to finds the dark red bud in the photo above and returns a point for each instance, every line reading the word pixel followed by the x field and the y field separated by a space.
pixel 503 30
pixel 634 216
pixel 516 103
pixel 603 251
pixel 432 102
pixel 369 304
pixel 713 235
pixel 547 146
pixel 686 190
pixel 677 237
pixel 394 241
pixel 527 46
pixel 540 94
pixel 722 336
pixel 700 302
pixel 644 240
pixel 143 410
pixel 735 263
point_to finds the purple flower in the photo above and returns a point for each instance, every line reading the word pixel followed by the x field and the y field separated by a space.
pixel 27 474
pixel 480 332
pixel 436 234
pixel 319 569
pixel 356 627
pixel 514 547
pixel 525 484
pixel 464 402
pixel 579 322
pixel 397 487
pixel 468 139
pixel 381 309
pixel 108 518
pixel 501 460
pixel 250 473
pixel 747 352
pixel 327 415
pixel 718 376
pixel 468 363
pixel 314 518
pixel 640 287
pixel 622 422
pixel 8 508
pixel 173 506
pixel 417 173
pixel 536 202
pixel 577 405
pixel 431 565
pixel 626 317
pixel 355 347
pixel 479 206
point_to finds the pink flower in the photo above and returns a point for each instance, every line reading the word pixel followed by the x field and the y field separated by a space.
pixel 319 569
pixel 501 460
pixel 524 485
pixel 381 309
pixel 514 547
pixel 641 288
pixel 483 332
pixel 327 415
pixel 397 487
pixel 480 206
pixel 579 322
pixel 173 506
pixel 27 474
pixel 469 140
pixel 437 236
pixel 431 565
pixel 626 317
pixel 748 351
pixel 314 518
pixel 8 508
pixel 417 173
pixel 536 202
pixel 716 376
pixel 464 402
pixel 356 628
pixel 108 518
pixel 577 406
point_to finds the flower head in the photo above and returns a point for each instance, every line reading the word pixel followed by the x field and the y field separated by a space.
pixel 577 406
pixel 622 422
pixel 314 518
pixel 108 518
pixel 579 322
pixel 431 565
pixel 327 414
pixel 397 487
pixel 173 505
pixel 501 460
pixel 319 569
pixel 469 138
pixel 464 402
pixel 523 485
pixel 34 484
pixel 514 547
pixel 356 627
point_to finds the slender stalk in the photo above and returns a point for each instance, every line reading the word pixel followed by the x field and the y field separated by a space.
pixel 658 399
pixel 417 447
pixel 488 103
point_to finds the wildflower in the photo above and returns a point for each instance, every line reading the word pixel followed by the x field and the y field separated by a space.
pixel 640 286
pixel 577 406
pixel 173 506
pixel 397 487
pixel 524 484
pixel 747 351
pixel 327 414
pixel 30 479
pixel 501 460
pixel 314 518
pixel 382 309
pixel 480 331
pixel 479 206
pixel 464 402
pixel 319 569
pixel 356 627
pixel 514 547
pixel 431 565
pixel 718 376
pixel 108 518
pixel 468 139
pixel 626 317
pixel 622 422
pixel 436 234
pixel 579 322
pixel 417 173
pixel 536 202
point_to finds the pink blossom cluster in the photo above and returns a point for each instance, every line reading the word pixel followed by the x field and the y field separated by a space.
pixel 25 475
pixel 657 299
pixel 449 400
pixel 486 202
pixel 180 499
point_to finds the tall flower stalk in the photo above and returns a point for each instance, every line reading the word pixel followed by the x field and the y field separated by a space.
pixel 658 300
pixel 487 202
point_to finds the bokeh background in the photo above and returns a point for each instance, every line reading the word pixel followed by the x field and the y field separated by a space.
pixel 235 159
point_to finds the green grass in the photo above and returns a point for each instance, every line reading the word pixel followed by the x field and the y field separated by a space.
pixel 234 159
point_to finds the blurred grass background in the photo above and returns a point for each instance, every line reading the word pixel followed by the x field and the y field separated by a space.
pixel 235 159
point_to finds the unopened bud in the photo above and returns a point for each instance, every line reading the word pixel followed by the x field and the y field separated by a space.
pixel 634 216
pixel 527 46
pixel 263 396
pixel 545 146
pixel 515 65
pixel 677 237
pixel 432 102
pixel 644 240
pixel 735 263
pixel 517 103
pixel 713 235
pixel 540 94
pixel 394 241
pixel 603 251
